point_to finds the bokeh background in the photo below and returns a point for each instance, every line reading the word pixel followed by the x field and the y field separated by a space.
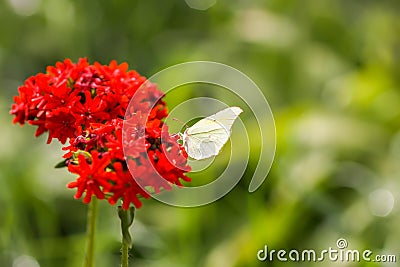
pixel 330 70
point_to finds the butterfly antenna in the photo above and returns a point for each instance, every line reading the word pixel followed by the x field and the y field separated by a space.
pixel 181 122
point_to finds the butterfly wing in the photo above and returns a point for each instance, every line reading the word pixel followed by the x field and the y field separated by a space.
pixel 206 137
pixel 222 119
pixel 204 145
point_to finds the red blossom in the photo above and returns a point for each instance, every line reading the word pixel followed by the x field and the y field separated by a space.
pixel 90 109
pixel 93 177
pixel 85 105
pixel 60 123
pixel 126 186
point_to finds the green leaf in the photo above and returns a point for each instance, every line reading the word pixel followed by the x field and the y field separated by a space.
pixel 61 164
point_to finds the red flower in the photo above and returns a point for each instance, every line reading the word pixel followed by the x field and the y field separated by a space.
pixel 61 124
pixel 86 104
pixel 90 110
pixel 93 177
pixel 126 187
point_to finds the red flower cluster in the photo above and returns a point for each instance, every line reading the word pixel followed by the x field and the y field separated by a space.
pixel 86 105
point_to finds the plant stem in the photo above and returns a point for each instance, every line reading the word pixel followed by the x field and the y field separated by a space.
pixel 126 217
pixel 91 231
pixel 125 254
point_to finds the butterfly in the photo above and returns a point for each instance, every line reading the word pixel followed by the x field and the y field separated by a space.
pixel 207 136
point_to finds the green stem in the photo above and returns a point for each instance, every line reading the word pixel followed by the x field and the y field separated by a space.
pixel 91 231
pixel 126 217
pixel 125 254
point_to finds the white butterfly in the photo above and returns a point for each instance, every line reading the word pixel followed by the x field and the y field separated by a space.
pixel 207 136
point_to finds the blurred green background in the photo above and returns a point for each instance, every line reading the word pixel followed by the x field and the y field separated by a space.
pixel 330 70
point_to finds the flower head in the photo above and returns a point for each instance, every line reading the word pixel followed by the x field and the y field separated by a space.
pixel 85 105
